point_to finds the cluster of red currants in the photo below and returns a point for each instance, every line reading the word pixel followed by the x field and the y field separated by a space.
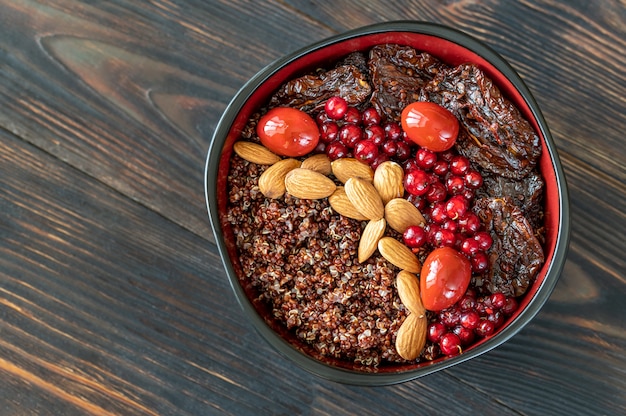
pixel 470 318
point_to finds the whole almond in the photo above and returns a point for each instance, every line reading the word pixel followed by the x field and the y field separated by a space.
pixel 349 167
pixel 399 255
pixel 272 181
pixel 340 202
pixel 409 291
pixel 411 336
pixel 401 214
pixel 256 153
pixel 365 198
pixel 372 232
pixel 389 180
pixel 319 163
pixel 308 184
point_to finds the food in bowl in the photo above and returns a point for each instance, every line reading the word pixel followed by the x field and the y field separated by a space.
pixel 387 207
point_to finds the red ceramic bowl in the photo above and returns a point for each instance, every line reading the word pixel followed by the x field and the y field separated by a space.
pixel 452 47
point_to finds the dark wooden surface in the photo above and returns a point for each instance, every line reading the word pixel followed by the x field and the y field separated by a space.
pixel 112 296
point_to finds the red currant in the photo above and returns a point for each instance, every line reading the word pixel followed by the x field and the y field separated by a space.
pixel 416 182
pixel 450 344
pixel 366 151
pixel 459 165
pixel 435 331
pixel 336 150
pixel 350 135
pixel 414 236
pixel 336 107
pixel 370 117
pixel 425 158
pixel 456 207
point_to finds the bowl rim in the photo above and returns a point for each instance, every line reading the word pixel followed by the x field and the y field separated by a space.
pixel 347 376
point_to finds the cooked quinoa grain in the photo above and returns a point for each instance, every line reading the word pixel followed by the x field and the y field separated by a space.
pixel 301 258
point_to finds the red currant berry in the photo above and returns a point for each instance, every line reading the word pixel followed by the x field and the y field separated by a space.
pixel 389 147
pixel 416 182
pixel 485 328
pixel 450 317
pixel 455 185
pixel 352 116
pixel 479 262
pixel 350 135
pixel 510 306
pixel 393 131
pixel 497 318
pixel 414 236
pixel 329 131
pixel 470 319
pixel 438 213
pixel 374 133
pixel 403 150
pixel 469 223
pixel 370 117
pixel 336 107
pixel 435 331
pixel 336 150
pixel 484 240
pixel 469 246
pixel 425 158
pixel 456 207
pixel 473 179
pixel 366 151
pixel 459 165
pixel 450 344
pixel 442 238
pixel 467 303
pixel 497 300
pixel 466 335
pixel 440 167
pixel 449 224
pixel 436 192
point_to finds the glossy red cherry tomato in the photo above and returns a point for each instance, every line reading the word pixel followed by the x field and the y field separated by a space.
pixel 444 278
pixel 288 132
pixel 430 125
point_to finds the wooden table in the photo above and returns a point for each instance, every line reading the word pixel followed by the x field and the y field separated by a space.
pixel 113 299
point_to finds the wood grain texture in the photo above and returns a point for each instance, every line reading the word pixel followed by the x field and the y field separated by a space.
pixel 112 296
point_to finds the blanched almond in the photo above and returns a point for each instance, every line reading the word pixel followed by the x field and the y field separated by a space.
pixel 389 181
pixel 399 255
pixel 319 163
pixel 308 184
pixel 411 336
pixel 372 232
pixel 401 214
pixel 409 291
pixel 349 167
pixel 340 202
pixel 272 181
pixel 365 198
pixel 256 153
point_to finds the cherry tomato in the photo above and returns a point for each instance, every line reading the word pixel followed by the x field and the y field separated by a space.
pixel 288 132
pixel 430 125
pixel 444 278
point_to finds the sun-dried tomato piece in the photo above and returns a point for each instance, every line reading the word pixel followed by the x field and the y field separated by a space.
pixel 310 92
pixel 398 73
pixel 515 255
pixel 498 138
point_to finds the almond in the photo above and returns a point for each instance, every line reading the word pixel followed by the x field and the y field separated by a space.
pixel 349 167
pixel 365 198
pixel 401 214
pixel 319 163
pixel 389 180
pixel 411 336
pixel 308 184
pixel 272 181
pixel 409 291
pixel 399 255
pixel 340 202
pixel 255 153
pixel 372 232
